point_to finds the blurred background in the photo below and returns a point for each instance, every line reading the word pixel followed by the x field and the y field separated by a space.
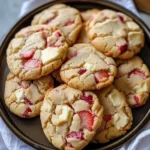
pixel 9 12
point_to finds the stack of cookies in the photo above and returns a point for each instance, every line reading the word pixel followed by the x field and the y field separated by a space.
pixel 91 55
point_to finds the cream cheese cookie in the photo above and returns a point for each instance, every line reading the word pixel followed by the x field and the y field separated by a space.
pixel 117 117
pixel 70 117
pixel 115 34
pixel 66 17
pixel 36 51
pixel 24 98
pixel 87 69
pixel 133 78
pixel 86 15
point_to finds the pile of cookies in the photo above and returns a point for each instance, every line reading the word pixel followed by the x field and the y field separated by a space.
pixel 91 54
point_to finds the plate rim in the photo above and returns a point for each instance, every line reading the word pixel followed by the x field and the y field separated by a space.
pixel 14 128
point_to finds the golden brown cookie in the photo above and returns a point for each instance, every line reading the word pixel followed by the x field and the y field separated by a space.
pixel 70 117
pixel 36 51
pixel 115 34
pixel 24 98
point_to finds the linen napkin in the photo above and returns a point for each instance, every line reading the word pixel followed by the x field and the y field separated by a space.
pixel 8 141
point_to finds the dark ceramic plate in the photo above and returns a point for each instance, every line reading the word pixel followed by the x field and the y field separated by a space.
pixel 29 130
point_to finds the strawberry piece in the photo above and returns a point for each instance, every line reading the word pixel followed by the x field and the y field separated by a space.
pixel 81 71
pixel 27 54
pixel 137 102
pixel 25 84
pixel 87 119
pixel 69 23
pixel 27 101
pixel 70 145
pixel 52 45
pixel 107 117
pixel 58 34
pixel 123 48
pixel 99 76
pixel 137 72
pixel 32 64
pixel 25 115
pixel 76 135
pixel 121 18
pixel 50 20
pixel 87 98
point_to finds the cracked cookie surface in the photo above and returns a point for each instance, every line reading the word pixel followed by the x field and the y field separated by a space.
pixel 24 98
pixel 115 34
pixel 87 69
pixel 117 117
pixel 133 78
pixel 36 51
pixel 86 15
pixel 66 17
pixel 70 117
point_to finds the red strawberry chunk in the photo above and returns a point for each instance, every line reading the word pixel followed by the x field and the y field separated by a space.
pixel 58 34
pixel 137 101
pixel 69 23
pixel 81 71
pixel 107 117
pixel 123 48
pixel 137 72
pixel 70 145
pixel 32 64
pixel 76 135
pixel 87 98
pixel 27 54
pixel 121 18
pixel 25 115
pixel 52 45
pixel 50 20
pixel 27 101
pixel 99 76
pixel 87 119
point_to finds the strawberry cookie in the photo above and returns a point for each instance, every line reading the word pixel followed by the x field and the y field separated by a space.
pixel 86 15
pixel 87 69
pixel 36 51
pixel 133 78
pixel 70 117
pixel 24 98
pixel 66 17
pixel 115 34
pixel 117 117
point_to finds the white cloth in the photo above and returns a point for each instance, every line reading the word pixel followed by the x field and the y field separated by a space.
pixel 8 141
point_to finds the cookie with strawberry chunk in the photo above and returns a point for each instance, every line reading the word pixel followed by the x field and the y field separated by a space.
pixel 36 51
pixel 66 17
pixel 117 117
pixel 24 98
pixel 86 15
pixel 115 34
pixel 133 78
pixel 70 117
pixel 87 69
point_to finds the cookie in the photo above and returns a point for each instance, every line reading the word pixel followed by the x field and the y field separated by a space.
pixel 87 69
pixel 36 51
pixel 117 117
pixel 24 98
pixel 56 75
pixel 115 34
pixel 86 15
pixel 70 117
pixel 133 78
pixel 66 17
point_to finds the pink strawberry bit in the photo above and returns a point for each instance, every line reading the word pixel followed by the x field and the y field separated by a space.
pixel 76 134
pixel 121 18
pixel 24 84
pixel 87 98
pixel 26 113
pixel 70 145
pixel 50 20
pixel 87 119
pixel 81 71
pixel 99 76
pixel 107 117
pixel 52 45
pixel 27 54
pixel 69 23
pixel 32 64
pixel 137 72
pixel 27 101
pixel 123 48
pixel 137 101
pixel 58 34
